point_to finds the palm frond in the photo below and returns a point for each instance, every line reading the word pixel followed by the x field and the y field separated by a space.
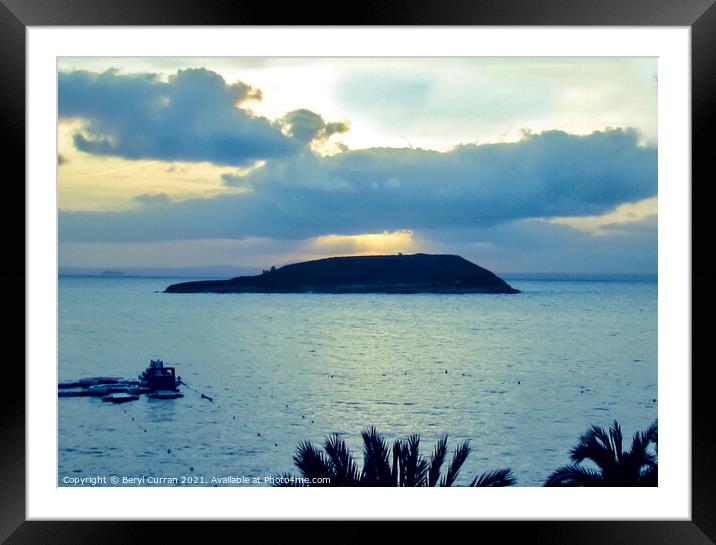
pixel 395 471
pixel 596 445
pixel 344 468
pixel 415 466
pixel 458 458
pixel 436 460
pixel 498 477
pixel 650 477
pixel 652 432
pixel 311 462
pixel 639 451
pixel 376 459
pixel 615 437
pixel 574 475
pixel 399 450
pixel 617 467
pixel 639 444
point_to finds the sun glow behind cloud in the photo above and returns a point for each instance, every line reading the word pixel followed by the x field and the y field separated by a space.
pixel 401 241
pixel 269 161
pixel 624 214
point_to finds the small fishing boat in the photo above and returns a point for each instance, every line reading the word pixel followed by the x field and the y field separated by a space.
pixel 158 377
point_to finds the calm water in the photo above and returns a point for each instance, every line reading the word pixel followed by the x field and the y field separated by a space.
pixel 526 374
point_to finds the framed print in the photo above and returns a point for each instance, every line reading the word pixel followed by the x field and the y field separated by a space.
pixel 284 270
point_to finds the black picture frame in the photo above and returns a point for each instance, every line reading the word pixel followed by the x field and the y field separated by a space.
pixel 699 15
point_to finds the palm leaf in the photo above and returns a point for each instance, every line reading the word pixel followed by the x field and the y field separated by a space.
pixel 395 472
pixel 415 466
pixel 652 432
pixel 344 467
pixel 376 459
pixel 596 445
pixel 650 477
pixel 615 436
pixel 616 466
pixel 398 459
pixel 574 475
pixel 458 458
pixel 311 462
pixel 436 460
pixel 498 477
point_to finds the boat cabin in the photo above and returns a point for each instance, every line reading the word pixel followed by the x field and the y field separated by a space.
pixel 160 377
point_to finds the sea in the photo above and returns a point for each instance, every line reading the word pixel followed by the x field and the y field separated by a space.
pixel 519 376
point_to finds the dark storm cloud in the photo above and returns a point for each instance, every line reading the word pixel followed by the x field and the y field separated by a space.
pixel 194 116
pixel 372 190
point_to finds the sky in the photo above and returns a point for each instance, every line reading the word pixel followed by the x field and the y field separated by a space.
pixel 517 164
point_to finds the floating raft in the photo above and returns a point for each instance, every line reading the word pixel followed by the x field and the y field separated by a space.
pixel 120 398
pixel 92 381
pixel 104 389
pixel 73 392
pixel 138 390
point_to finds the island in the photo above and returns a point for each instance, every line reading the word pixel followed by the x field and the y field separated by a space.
pixel 417 273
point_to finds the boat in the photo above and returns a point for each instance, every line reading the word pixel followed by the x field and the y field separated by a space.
pixel 159 377
pixel 157 381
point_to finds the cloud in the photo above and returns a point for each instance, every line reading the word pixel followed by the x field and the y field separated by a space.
pixel 153 199
pixel 62 160
pixel 307 126
pixel 553 174
pixel 193 116
pixel 646 225
pixel 530 245
pixel 255 252
pixel 436 102
pixel 540 246
pixel 232 180
pixel 520 246
pixel 618 218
